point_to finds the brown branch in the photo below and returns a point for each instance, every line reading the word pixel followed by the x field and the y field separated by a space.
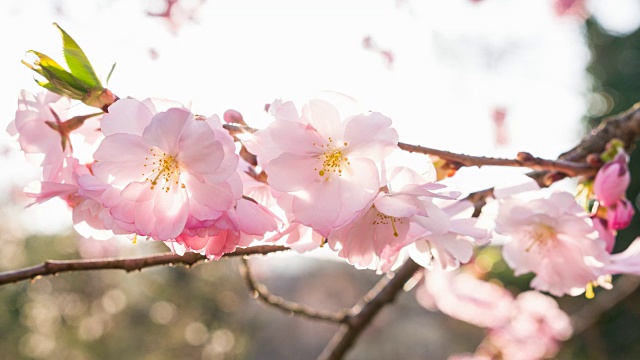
pixel 524 159
pixel 261 292
pixel 382 294
pixel 624 126
pixel 53 267
pixel 589 314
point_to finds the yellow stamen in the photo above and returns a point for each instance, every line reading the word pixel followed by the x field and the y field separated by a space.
pixel 588 293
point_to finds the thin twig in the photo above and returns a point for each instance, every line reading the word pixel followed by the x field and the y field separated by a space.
pixel 380 295
pixel 524 159
pixel 53 267
pixel 589 314
pixel 261 292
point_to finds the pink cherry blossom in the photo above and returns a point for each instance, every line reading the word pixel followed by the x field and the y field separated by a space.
pixel 536 327
pixel 326 167
pixel 40 142
pixel 612 180
pixel 166 166
pixel 240 226
pixel 452 246
pixel 383 228
pixel 81 191
pixel 551 236
pixel 464 297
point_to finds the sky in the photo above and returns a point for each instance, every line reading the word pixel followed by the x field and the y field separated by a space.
pixel 455 64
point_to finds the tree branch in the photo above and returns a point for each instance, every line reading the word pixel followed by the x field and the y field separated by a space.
pixel 363 313
pixel 261 292
pixel 524 159
pixel 624 126
pixel 53 267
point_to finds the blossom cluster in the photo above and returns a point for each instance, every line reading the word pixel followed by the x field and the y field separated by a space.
pixel 312 177
pixel 525 327
pixel 161 172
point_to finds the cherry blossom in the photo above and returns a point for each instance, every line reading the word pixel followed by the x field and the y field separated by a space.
pixel 325 167
pixel 535 328
pixel 550 235
pixel 383 228
pixel 166 166
pixel 452 246
pixel 33 126
pixel 239 226
pixel 464 297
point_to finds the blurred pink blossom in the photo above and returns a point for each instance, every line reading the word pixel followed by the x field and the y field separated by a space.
pixel 33 129
pixel 535 328
pixel 463 297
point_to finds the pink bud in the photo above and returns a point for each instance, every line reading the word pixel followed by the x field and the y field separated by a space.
pixel 612 181
pixel 233 117
pixel 619 214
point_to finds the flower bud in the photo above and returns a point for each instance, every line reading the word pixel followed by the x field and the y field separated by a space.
pixel 619 215
pixel 612 180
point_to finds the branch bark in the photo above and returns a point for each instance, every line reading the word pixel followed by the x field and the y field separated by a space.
pixel 363 313
pixel 53 267
pixel 261 292
pixel 524 159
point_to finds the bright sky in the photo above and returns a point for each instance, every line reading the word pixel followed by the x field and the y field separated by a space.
pixel 455 62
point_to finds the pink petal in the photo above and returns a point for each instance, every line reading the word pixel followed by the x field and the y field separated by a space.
pixel 166 128
pixel 126 116
pixel 291 172
pixel 359 184
pixel 215 196
pixel 370 135
pixel 171 210
pixel 120 159
pixel 318 206
pixel 400 205
pixel 325 118
pixel 199 152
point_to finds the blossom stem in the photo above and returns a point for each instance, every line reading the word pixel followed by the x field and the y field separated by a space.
pixel 53 267
pixel 261 292
pixel 382 294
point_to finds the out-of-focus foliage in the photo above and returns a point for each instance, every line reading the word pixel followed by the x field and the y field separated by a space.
pixel 615 75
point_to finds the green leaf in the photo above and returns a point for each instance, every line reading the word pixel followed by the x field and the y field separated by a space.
pixel 113 67
pixel 57 75
pixel 77 61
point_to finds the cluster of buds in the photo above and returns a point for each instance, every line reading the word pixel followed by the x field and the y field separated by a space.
pixel 612 211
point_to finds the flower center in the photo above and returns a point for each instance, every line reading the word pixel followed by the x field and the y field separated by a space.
pixel 541 234
pixel 165 171
pixel 386 220
pixel 332 159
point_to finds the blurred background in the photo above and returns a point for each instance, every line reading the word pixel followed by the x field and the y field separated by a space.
pixel 486 77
